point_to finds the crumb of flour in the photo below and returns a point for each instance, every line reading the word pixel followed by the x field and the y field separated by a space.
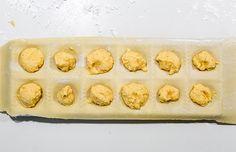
pixel 12 23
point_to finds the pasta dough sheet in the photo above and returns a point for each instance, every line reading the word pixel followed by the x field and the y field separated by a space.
pixel 220 80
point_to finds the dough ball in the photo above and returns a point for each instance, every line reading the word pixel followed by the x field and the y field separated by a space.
pixel 99 61
pixel 134 95
pixel 204 61
pixel 100 95
pixel 29 94
pixel 65 96
pixel 134 61
pixel 65 60
pixel 168 93
pixel 169 61
pixel 31 59
pixel 200 94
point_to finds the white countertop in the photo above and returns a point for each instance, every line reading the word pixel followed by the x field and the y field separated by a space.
pixel 134 18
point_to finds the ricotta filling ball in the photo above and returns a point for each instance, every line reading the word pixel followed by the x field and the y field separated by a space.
pixel 29 94
pixel 65 96
pixel 168 61
pixel 134 61
pixel 31 59
pixel 65 60
pixel 168 93
pixel 204 61
pixel 201 94
pixel 100 94
pixel 99 61
pixel 134 95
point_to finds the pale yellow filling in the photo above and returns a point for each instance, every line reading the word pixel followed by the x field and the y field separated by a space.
pixel 134 95
pixel 168 93
pixel 31 59
pixel 204 61
pixel 65 60
pixel 29 94
pixel 100 94
pixel 65 96
pixel 134 61
pixel 99 61
pixel 168 61
pixel 201 94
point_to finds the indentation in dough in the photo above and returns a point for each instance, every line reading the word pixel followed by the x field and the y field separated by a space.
pixel 100 94
pixel 168 93
pixel 203 61
pixel 201 94
pixel 31 59
pixel 168 61
pixel 29 94
pixel 65 60
pixel 134 95
pixel 65 96
pixel 134 61
pixel 99 61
